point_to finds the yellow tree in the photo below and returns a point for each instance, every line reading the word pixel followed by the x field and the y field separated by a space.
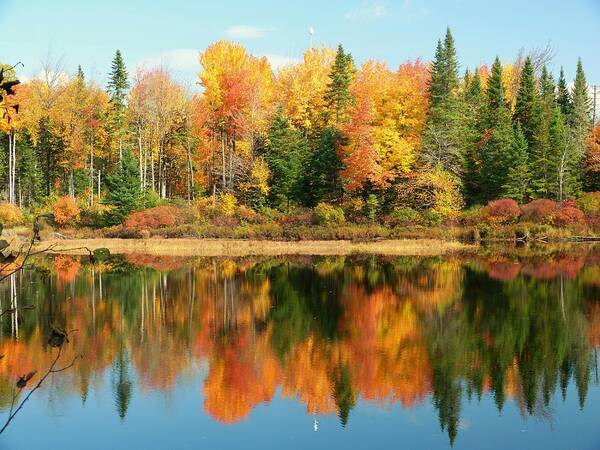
pixel 237 96
pixel 301 88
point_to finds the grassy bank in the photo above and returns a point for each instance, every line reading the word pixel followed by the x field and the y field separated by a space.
pixel 226 247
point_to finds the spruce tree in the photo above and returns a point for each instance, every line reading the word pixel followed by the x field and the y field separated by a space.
pixel 495 94
pixel 30 176
pixel 286 154
pixel 124 191
pixel 516 185
pixel 450 64
pixel 496 155
pixel 563 96
pixel 526 108
pixel 338 98
pixel 442 137
pixel 540 150
pixel 436 89
pixel 581 120
pixel 117 87
pixel 474 102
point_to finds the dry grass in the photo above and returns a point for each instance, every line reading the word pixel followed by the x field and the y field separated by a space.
pixel 230 247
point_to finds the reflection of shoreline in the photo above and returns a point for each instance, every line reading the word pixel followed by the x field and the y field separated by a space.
pixel 323 330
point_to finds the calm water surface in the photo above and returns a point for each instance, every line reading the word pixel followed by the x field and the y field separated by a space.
pixel 320 353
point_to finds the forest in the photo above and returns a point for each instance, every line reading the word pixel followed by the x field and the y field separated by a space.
pixel 321 142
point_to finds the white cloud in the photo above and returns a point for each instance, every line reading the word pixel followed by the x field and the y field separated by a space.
pixel 278 62
pixel 177 59
pixel 245 32
pixel 369 11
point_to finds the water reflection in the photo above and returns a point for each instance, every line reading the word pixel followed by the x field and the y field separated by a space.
pixel 323 331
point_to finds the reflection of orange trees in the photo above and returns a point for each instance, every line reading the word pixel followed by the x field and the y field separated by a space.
pixel 434 287
pixel 502 269
pixel 66 267
pixel 384 347
pixel 242 375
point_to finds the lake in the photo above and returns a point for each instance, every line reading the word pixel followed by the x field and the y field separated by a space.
pixel 480 352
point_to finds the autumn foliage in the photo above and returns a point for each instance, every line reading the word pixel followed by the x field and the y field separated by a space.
pixel 65 211
pixel 501 211
pixel 10 215
pixel 154 218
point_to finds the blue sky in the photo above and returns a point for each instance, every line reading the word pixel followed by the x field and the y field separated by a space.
pixel 172 32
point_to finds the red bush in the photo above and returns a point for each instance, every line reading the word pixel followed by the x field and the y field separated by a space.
pixel 568 215
pixel 540 211
pixel 552 213
pixel 505 210
pixel 153 218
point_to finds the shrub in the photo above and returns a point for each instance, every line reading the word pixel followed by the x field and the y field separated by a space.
pixel 303 217
pixel 471 216
pixel 589 203
pixel 502 211
pixel 327 214
pixel 227 204
pixel 10 215
pixel 91 216
pixel 405 216
pixel 540 211
pixel 154 218
pixel 65 211
pixel 568 215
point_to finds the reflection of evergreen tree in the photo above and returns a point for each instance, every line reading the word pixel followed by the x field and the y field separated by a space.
pixel 343 394
pixel 122 384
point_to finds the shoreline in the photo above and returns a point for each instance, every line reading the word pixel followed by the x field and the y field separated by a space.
pixel 239 247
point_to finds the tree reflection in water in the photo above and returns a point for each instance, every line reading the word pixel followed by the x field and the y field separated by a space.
pixel 325 331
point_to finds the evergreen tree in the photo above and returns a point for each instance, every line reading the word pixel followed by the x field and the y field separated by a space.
pixel 30 176
pixel 442 137
pixel 124 191
pixel 496 155
pixel 526 108
pixel 495 94
pixel 321 181
pixel 80 75
pixel 48 148
pixel 444 71
pixel 474 102
pixel 338 98
pixel 516 185
pixel 118 82
pixel 581 120
pixel 563 97
pixel 286 154
pixel 117 87
pixel 540 150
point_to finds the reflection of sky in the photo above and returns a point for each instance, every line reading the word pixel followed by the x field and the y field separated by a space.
pixel 176 420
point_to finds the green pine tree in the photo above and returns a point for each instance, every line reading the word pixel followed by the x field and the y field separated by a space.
pixel 321 180
pixel 526 107
pixel 474 101
pixel 581 120
pixel 496 99
pixel 496 155
pixel 117 87
pixel 286 154
pixel 516 185
pixel 124 190
pixel 442 137
pixel 30 176
pixel 338 98
pixel 563 96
